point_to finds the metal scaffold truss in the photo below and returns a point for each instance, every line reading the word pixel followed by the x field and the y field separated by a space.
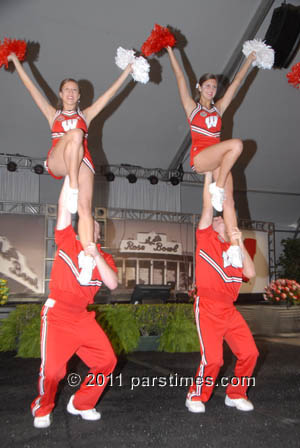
pixel 14 162
pixel 25 208
pixel 150 215
pixel 154 175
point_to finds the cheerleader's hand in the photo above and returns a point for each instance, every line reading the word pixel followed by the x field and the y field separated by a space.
pixel 252 56
pixel 129 68
pixel 236 234
pixel 12 57
pixel 91 249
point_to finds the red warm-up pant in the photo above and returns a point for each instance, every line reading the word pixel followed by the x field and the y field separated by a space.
pixel 216 323
pixel 63 333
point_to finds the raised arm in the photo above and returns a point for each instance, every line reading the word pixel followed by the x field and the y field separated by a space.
pixel 207 209
pixel 92 111
pixel 39 99
pixel 224 102
pixel 248 265
pixel 108 275
pixel 187 101
pixel 64 218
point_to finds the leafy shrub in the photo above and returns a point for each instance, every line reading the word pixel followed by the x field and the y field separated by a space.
pixel 120 326
pixel 13 326
pixel 123 324
pixel 29 343
pixel 180 335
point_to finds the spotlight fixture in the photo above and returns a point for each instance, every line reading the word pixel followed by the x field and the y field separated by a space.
pixel 38 169
pixel 153 179
pixel 110 177
pixel 11 166
pixel 131 178
pixel 174 180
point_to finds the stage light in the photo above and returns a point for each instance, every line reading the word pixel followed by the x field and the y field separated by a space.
pixel 110 177
pixel 132 178
pixel 177 176
pixel 11 166
pixel 153 179
pixel 174 180
pixel 38 169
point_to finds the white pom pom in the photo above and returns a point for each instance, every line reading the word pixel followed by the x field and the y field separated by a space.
pixel 124 57
pixel 141 70
pixel 264 53
pixel 140 66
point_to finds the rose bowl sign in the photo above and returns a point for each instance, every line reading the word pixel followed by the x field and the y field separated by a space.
pixel 151 243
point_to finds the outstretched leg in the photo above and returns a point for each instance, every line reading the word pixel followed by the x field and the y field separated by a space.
pixel 85 223
pixel 229 213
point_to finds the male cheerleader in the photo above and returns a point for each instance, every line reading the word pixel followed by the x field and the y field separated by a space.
pixel 67 327
pixel 217 319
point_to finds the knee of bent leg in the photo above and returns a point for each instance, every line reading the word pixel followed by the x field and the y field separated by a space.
pixel 75 135
pixel 237 146
pixel 251 354
pixel 109 363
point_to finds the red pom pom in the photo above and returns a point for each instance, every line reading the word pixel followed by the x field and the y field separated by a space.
pixel 12 46
pixel 294 76
pixel 160 38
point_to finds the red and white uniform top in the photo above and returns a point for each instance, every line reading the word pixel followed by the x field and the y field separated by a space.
pixel 205 125
pixel 64 121
pixel 213 281
pixel 64 284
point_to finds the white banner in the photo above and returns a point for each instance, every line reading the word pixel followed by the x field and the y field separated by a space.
pixel 14 266
pixel 151 243
pixel 22 253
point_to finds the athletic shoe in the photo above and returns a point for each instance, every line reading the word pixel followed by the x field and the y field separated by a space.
pixel 87 264
pixel 88 414
pixel 240 403
pixel 235 256
pixel 42 422
pixel 217 196
pixel 195 406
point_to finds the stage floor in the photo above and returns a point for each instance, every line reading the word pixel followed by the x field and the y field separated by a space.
pixel 137 412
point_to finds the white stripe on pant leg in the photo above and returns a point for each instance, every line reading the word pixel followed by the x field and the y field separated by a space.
pixel 203 358
pixel 43 359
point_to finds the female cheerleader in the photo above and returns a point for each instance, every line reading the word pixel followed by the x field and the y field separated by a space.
pixel 69 154
pixel 208 153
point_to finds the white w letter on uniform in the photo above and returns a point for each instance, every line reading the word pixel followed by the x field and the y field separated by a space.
pixel 211 121
pixel 69 124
